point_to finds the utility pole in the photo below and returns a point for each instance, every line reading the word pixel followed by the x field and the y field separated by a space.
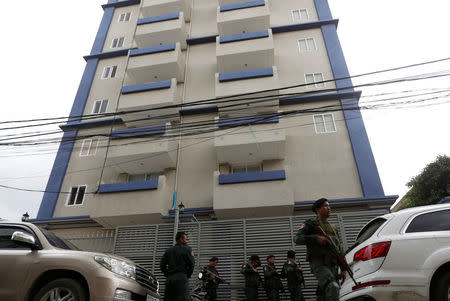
pixel 178 209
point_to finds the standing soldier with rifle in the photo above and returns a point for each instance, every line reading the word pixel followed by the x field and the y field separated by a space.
pixel 321 240
pixel 294 275
pixel 272 281
pixel 212 279
pixel 252 278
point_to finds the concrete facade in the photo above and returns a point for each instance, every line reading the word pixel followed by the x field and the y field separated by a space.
pixel 183 67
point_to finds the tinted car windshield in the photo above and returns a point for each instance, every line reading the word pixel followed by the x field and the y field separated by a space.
pixel 57 241
pixel 367 232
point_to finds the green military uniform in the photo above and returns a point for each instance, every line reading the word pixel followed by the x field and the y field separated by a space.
pixel 252 282
pixel 272 282
pixel 177 264
pixel 294 278
pixel 322 259
pixel 211 284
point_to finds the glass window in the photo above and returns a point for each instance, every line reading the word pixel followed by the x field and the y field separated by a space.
pixel 109 72
pixel 324 123
pixel 76 195
pixel 144 176
pixel 89 147
pixel 124 17
pixel 6 234
pixel 100 106
pixel 432 221
pixel 307 45
pixel 299 15
pixel 58 242
pixel 246 168
pixel 367 232
pixel 117 42
pixel 314 80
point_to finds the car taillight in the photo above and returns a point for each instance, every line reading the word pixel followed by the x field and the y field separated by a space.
pixel 371 283
pixel 372 251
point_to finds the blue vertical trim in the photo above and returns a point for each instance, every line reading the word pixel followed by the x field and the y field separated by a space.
pixel 56 178
pixel 362 152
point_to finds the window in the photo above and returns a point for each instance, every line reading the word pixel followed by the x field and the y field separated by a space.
pixel 246 168
pixel 76 195
pixel 367 232
pixel 144 176
pixel 100 106
pixel 314 80
pixel 307 45
pixel 432 221
pixel 6 235
pixel 124 17
pixel 324 123
pixel 58 242
pixel 299 15
pixel 109 72
pixel 89 147
pixel 117 42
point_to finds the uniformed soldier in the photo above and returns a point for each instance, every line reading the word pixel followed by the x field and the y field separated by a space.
pixel 177 264
pixel 294 275
pixel 212 279
pixel 272 281
pixel 252 278
pixel 323 261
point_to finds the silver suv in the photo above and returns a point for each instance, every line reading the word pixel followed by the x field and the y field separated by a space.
pixel 37 265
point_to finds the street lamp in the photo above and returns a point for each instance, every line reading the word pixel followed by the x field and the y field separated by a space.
pixel 25 217
pixel 178 209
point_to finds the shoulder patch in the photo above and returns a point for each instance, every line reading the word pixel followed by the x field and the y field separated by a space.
pixel 289 262
pixel 302 226
pixel 243 265
pixel 192 253
pixel 265 268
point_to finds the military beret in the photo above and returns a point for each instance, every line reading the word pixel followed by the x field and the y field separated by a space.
pixel 270 256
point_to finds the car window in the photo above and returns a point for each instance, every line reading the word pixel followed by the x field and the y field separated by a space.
pixel 432 221
pixel 58 242
pixel 367 232
pixel 5 237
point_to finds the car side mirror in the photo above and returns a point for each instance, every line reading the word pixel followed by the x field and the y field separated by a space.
pixel 24 239
pixel 200 275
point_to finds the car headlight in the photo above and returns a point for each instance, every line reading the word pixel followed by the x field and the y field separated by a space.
pixel 117 266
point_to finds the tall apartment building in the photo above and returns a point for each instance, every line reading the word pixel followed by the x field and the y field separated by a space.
pixel 232 107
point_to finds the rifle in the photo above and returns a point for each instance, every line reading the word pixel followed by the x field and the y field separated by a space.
pixel 342 262
pixel 204 270
pixel 303 277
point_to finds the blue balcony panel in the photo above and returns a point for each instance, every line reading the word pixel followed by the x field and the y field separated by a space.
pixel 128 186
pixel 258 119
pixel 242 5
pixel 154 49
pixel 261 176
pixel 147 87
pixel 244 36
pixel 138 132
pixel 245 74
pixel 161 18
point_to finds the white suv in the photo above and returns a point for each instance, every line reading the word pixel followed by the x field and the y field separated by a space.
pixel 402 256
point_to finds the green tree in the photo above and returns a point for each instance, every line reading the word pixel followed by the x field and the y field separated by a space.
pixel 430 186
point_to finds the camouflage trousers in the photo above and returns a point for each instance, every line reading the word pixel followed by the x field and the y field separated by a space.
pixel 327 286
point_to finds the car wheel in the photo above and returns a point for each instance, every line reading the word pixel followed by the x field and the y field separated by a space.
pixel 64 289
pixel 443 287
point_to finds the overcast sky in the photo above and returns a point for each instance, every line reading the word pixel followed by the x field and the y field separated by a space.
pixel 42 64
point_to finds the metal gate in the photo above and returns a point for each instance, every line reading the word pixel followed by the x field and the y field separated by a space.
pixel 233 241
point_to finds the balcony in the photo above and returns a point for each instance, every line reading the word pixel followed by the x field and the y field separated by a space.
pixel 149 100
pixel 131 203
pixel 161 30
pixel 156 63
pixel 243 17
pixel 255 194
pixel 252 50
pixel 152 8
pixel 248 81
pixel 140 153
pixel 262 142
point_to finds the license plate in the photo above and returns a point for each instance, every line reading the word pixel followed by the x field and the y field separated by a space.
pixel 151 298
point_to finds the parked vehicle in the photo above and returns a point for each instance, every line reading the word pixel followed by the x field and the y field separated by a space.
pixel 198 292
pixel 37 265
pixel 402 256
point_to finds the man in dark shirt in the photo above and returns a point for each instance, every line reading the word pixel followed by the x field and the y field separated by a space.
pixel 294 275
pixel 177 264
pixel 212 279
pixel 252 278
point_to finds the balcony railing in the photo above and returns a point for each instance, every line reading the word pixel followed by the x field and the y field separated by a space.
pixel 149 103
pixel 253 50
pixel 247 143
pixel 151 8
pixel 160 30
pixel 243 17
pixel 156 63
pixel 252 194
pixel 248 81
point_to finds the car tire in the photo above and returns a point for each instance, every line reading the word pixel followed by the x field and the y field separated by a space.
pixel 443 287
pixel 60 289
